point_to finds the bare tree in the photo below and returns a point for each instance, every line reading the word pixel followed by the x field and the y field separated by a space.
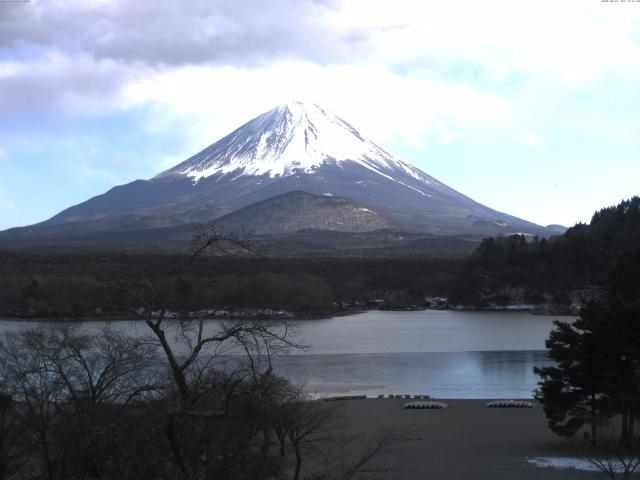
pixel 102 374
pixel 191 343
pixel 70 389
pixel 10 436
pixel 27 377
pixel 347 457
pixel 192 351
pixel 309 424
pixel 314 430
pixel 104 367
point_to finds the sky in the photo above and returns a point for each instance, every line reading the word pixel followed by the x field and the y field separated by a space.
pixel 529 107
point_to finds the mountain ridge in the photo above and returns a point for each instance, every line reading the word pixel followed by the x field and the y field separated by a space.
pixel 293 147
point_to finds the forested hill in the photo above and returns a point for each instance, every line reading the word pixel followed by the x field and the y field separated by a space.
pixel 533 270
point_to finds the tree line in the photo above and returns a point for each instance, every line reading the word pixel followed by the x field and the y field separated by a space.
pixel 44 284
pixel 536 270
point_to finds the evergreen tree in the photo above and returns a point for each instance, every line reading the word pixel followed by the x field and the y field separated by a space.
pixel 596 375
pixel 571 392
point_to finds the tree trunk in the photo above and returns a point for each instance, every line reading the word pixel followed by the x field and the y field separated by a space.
pixel 3 462
pixel 626 441
pixel 174 443
pixel 47 457
pixel 267 441
pixel 282 444
pixel 594 420
pixel 176 371
pixel 296 474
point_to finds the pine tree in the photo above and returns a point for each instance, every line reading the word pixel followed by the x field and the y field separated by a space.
pixel 571 391
pixel 597 371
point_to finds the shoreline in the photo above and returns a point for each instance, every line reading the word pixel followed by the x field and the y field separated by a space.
pixel 127 318
pixel 292 316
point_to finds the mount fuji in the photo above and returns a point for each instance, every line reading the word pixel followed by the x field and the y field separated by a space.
pixel 296 147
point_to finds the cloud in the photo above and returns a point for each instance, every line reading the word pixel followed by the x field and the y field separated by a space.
pixel 174 33
pixel 3 154
pixel 58 85
pixel 493 37
pixel 60 57
pixel 190 96
pixel 498 41
pixel 531 139
pixel 80 57
pixel 448 137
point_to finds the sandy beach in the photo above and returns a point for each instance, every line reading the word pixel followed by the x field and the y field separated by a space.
pixel 465 441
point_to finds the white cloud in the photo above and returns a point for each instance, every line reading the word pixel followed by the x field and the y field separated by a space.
pixel 382 104
pixel 531 139
pixel 3 154
pixel 83 65
pixel 64 83
pixel 570 39
pixel 448 137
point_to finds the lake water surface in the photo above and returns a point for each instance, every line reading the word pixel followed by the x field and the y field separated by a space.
pixel 447 354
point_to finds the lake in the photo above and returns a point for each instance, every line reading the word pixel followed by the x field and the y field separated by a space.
pixel 446 354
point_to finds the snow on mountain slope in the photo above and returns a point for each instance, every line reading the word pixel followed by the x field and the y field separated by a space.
pixel 295 147
pixel 294 137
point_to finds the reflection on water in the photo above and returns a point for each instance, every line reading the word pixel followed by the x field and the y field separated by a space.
pixel 442 353
pixel 497 374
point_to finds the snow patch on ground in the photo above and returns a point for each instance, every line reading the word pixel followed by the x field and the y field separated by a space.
pixel 567 463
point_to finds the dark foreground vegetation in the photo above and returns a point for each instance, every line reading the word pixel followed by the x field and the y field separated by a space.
pixel 105 406
pixel 594 386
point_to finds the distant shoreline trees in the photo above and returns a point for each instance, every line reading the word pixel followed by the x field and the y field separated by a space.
pixel 583 258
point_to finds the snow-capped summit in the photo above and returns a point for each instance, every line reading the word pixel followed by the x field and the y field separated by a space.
pixel 293 137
